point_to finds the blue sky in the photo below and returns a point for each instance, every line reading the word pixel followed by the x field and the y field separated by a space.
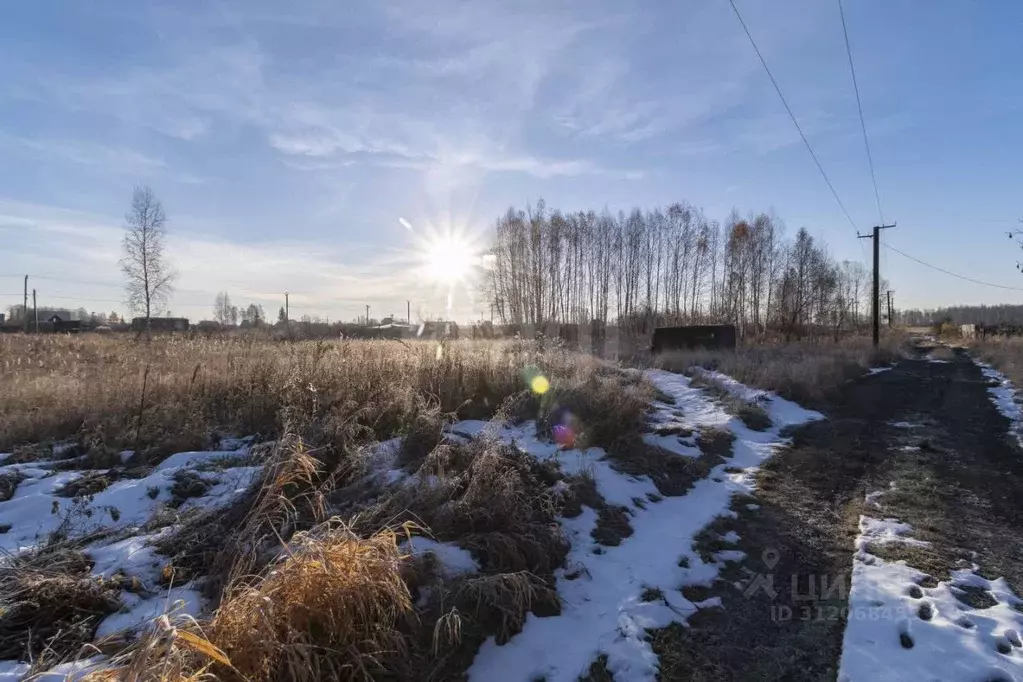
pixel 287 139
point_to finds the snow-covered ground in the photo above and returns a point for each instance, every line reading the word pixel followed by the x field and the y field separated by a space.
pixel 117 513
pixel 602 588
pixel 36 510
pixel 899 630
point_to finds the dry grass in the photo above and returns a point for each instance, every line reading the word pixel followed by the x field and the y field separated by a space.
pixel 490 498
pixel 327 611
pixel 1004 353
pixel 808 373
pixel 299 597
pixel 90 387
pixel 50 606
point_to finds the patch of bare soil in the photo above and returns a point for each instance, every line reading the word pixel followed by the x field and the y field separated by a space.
pixel 928 427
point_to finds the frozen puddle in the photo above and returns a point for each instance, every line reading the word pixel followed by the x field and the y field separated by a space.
pixel 601 588
pixel 899 630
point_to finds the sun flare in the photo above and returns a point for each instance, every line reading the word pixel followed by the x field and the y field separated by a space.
pixel 449 259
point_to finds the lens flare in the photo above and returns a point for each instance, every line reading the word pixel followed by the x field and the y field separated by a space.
pixel 539 384
pixel 564 435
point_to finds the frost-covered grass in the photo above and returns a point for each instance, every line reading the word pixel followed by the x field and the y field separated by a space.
pixel 808 373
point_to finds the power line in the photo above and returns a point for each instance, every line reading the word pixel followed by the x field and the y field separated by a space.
pixel 777 89
pixel 859 107
pixel 948 272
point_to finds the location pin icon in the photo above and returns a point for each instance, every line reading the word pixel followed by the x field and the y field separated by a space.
pixel 770 557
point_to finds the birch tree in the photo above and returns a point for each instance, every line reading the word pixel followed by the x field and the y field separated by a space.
pixel 149 277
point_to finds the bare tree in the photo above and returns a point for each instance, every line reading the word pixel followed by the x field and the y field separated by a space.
pixel 144 264
pixel 222 309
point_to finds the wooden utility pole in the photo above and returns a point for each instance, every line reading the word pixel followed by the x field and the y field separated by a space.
pixel 287 309
pixel 876 307
pixel 890 309
pixel 35 312
pixel 367 314
pixel 24 306
pixel 408 313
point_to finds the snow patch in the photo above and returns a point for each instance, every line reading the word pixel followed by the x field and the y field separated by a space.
pixel 602 587
pixel 899 630
pixel 885 531
pixel 453 559
pixel 1003 396
pixel 35 511
pixel 138 610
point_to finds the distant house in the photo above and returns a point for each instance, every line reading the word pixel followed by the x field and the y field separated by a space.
pixel 160 324
pixel 62 326
pixel 968 331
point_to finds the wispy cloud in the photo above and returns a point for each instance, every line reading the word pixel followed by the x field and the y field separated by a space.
pixel 83 152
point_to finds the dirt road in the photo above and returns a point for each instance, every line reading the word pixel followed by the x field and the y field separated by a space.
pixel 927 427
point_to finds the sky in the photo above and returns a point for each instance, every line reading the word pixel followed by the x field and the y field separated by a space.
pixel 315 146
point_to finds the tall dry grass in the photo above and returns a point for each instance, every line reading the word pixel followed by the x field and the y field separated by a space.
pixel 1003 353
pixel 330 610
pixel 294 592
pixel 808 373
pixel 172 392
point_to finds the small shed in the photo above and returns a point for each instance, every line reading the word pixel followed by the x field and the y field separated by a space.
pixel 708 336
pixel 160 324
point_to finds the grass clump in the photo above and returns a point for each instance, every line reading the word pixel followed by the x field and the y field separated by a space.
pixel 328 611
pixel 187 484
pixel 489 497
pixel 50 606
pixel 9 484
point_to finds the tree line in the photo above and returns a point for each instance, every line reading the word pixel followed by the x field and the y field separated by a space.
pixel 1005 313
pixel 670 266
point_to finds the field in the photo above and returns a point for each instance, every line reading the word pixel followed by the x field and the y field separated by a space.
pixel 241 508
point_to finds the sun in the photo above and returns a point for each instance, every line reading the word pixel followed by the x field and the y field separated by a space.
pixel 449 259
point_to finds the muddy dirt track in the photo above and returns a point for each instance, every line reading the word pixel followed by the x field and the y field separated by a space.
pixel 927 426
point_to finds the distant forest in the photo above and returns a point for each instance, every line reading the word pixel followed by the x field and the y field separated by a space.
pixel 670 266
pixel 965 314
